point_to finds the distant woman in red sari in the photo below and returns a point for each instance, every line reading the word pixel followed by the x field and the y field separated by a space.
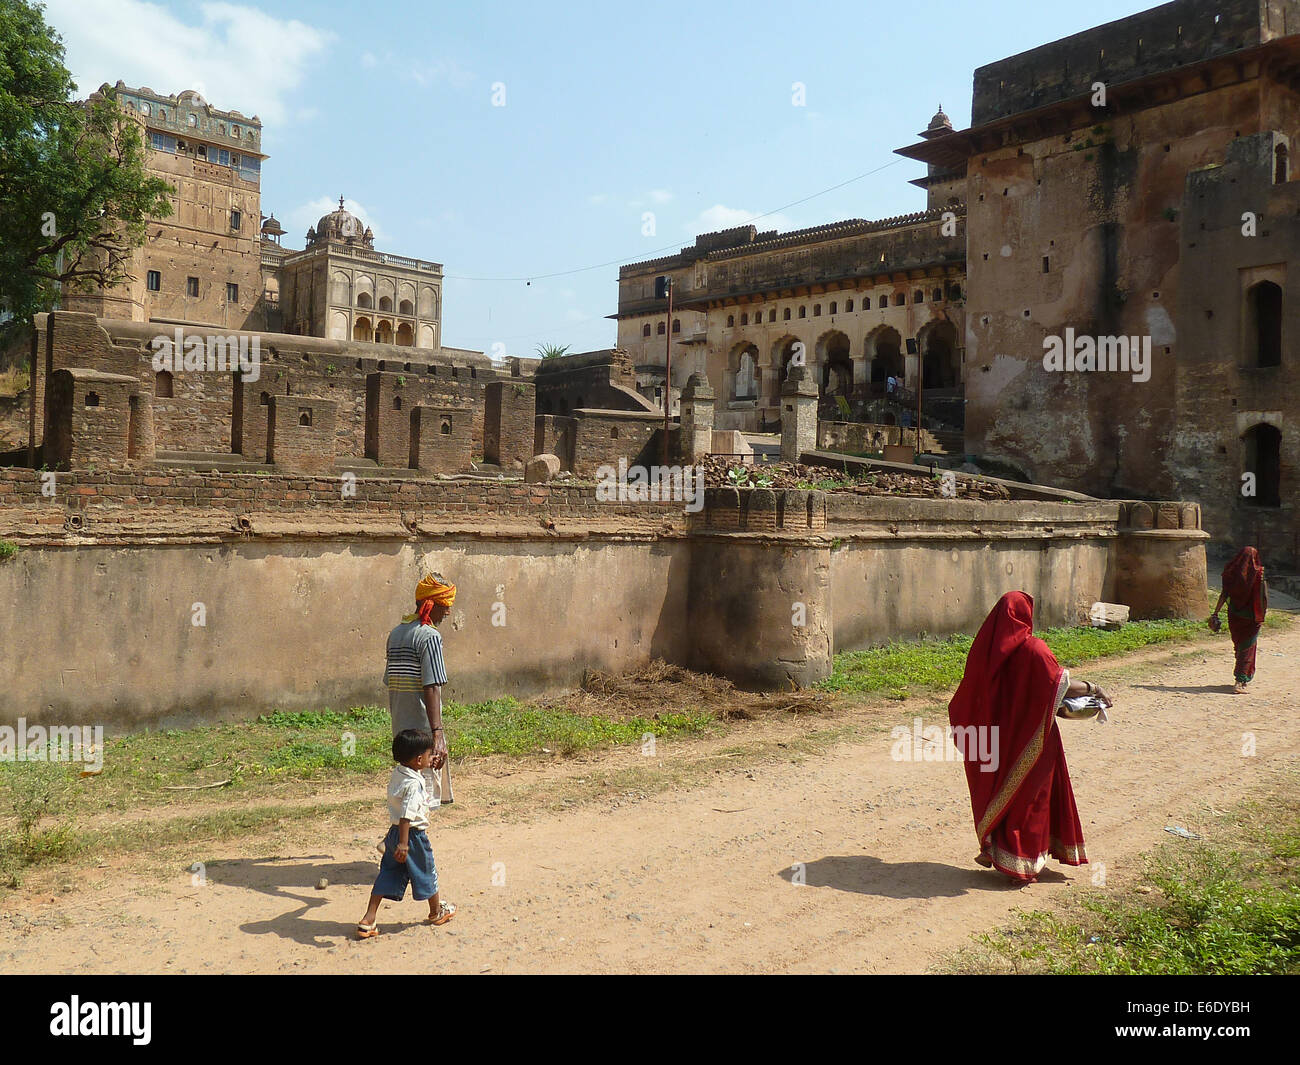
pixel 1021 798
pixel 1246 591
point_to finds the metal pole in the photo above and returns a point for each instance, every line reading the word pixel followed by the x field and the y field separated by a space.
pixel 668 371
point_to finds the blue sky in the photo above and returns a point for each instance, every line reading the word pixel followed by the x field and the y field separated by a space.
pixel 684 110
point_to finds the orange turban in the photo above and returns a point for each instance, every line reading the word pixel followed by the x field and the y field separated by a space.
pixel 430 587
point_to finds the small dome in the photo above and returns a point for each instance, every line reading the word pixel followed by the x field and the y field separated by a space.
pixel 940 120
pixel 341 224
pixel 272 228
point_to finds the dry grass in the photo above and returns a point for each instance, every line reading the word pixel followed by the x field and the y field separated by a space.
pixel 660 687
pixel 14 381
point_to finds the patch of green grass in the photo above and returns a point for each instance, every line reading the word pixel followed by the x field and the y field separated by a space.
pixel 298 745
pixel 35 799
pixel 927 664
pixel 1205 908
pixel 7 550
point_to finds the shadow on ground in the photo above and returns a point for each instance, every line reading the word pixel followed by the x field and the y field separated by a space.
pixel 295 878
pixel 867 875
pixel 1193 689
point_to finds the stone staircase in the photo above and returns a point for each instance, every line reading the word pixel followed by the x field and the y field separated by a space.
pixel 948 442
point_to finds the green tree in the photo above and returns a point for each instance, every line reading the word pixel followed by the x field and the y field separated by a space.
pixel 74 194
pixel 552 351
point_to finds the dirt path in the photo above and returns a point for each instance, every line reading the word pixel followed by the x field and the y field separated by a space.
pixel 696 876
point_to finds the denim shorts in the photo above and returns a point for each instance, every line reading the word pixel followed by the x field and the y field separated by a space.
pixel 418 869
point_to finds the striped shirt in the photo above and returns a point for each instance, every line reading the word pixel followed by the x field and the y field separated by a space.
pixel 414 658
pixel 414 661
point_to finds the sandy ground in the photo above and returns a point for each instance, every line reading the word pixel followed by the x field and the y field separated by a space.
pixel 699 873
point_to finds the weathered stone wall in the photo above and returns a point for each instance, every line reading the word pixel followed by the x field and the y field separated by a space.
pixel 440 439
pixel 1223 392
pixel 509 411
pixel 554 435
pixel 602 437
pixel 91 419
pixel 603 379
pixel 857 437
pixel 1162 39
pixel 300 434
pixel 590 585
pixel 202 413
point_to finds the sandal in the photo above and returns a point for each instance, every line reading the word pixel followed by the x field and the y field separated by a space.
pixel 446 911
pixel 984 860
pixel 367 931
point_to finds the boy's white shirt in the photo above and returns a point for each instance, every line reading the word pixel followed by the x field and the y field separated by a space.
pixel 408 797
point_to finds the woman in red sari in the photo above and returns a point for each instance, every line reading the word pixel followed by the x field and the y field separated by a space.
pixel 1246 591
pixel 1022 800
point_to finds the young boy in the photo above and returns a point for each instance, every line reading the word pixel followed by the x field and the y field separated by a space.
pixel 408 858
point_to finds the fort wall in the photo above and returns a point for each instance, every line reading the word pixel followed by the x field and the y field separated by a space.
pixel 585 584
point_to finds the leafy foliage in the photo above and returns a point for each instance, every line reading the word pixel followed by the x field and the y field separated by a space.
pixel 74 195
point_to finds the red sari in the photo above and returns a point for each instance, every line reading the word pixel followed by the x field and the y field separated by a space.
pixel 1243 584
pixel 1024 807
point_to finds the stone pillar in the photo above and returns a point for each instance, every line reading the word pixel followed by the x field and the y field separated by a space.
pixel 798 415
pixel 1159 560
pixel 759 616
pixel 861 377
pixel 696 434
pixel 509 408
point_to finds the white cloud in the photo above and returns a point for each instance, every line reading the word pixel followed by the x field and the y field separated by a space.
pixel 721 217
pixel 305 216
pixel 598 198
pixel 368 59
pixel 443 70
pixel 660 195
pixel 238 57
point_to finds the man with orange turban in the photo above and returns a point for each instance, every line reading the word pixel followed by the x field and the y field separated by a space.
pixel 415 672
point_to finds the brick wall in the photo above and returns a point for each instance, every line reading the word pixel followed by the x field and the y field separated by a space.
pixel 202 413
pixel 553 435
pixel 509 409
pixel 168 503
pixel 603 437
pixel 90 418
pixel 300 433
pixel 440 439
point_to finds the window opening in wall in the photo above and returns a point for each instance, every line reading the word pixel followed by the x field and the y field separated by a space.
pixel 848 305
pixel 918 296
pixel 645 330
pixel 304 416
pixel 1264 459
pixel 92 399
pixel 232 292
pixel 744 319
pixel 192 286
pixel 771 315
pixel 1264 324
pixel 163 384
pixel 731 322
pixel 235 219
pixel 445 427
pixel 397 403
pixel 659 329
pixel 677 325
pixel 265 400
pixel 1279 165
pixel 803 312
pixel 153 281
pixel 786 316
